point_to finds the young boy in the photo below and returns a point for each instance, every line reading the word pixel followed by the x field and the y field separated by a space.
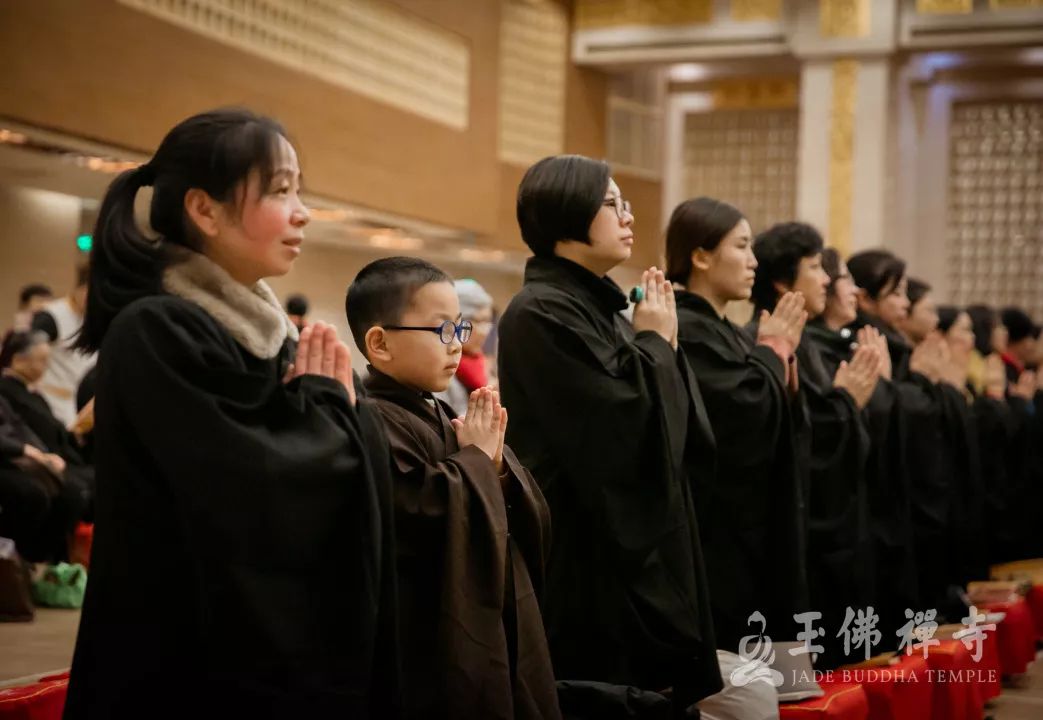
pixel 472 527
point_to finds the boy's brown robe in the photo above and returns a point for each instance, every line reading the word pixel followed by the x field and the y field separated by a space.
pixel 462 547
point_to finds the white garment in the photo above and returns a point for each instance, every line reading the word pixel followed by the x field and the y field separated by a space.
pixel 456 395
pixel 68 365
pixel 755 701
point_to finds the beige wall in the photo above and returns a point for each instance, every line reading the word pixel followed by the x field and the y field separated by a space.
pixel 38 232
pixel 97 69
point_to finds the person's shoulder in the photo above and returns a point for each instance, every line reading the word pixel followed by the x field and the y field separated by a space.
pixel 541 299
pixel 159 318
pixel 388 410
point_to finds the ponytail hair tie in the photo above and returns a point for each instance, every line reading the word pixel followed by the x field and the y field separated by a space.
pixel 146 174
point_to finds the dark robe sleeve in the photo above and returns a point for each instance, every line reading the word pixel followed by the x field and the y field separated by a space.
pixel 896 585
pixel 12 436
pixel 615 417
pixel 839 448
pixel 454 550
pixel 426 492
pixel 602 417
pixel 746 397
pixel 965 560
pixel 1023 478
pixel 273 496
pixel 10 448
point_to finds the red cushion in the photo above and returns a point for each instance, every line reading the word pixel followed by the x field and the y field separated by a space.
pixel 842 701
pixel 43 700
pixel 1016 634
pixel 1035 601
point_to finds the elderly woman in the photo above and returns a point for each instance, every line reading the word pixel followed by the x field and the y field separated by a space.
pixel 476 305
pixel 44 484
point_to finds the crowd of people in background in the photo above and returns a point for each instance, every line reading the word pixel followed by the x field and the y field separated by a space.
pixel 589 504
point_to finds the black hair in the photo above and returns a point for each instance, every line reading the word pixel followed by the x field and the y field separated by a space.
pixel 32 291
pixel 697 224
pixel 383 290
pixel 917 291
pixel 558 199
pixel 779 250
pixel 831 264
pixel 984 320
pixel 1019 324
pixel 214 151
pixel 297 305
pixel 18 342
pixel 876 271
pixel 947 316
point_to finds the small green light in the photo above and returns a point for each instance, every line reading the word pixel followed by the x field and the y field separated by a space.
pixel 84 243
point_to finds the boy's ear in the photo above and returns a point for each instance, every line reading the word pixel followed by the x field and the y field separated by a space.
pixel 376 344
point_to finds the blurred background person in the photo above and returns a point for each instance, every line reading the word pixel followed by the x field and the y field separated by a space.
pixel 31 299
pixel 475 369
pixel 61 320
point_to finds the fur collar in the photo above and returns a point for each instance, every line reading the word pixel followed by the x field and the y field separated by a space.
pixel 252 315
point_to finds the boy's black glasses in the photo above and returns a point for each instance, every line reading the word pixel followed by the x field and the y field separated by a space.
pixel 445 332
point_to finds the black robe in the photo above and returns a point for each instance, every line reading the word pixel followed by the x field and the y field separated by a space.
pixel 889 496
pixel 38 509
pixel 470 559
pixel 965 558
pixel 840 557
pixel 606 419
pixel 752 511
pixel 37 415
pixel 932 458
pixel 242 563
pixel 996 427
pixel 1023 445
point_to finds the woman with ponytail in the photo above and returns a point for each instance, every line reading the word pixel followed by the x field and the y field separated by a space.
pixel 242 537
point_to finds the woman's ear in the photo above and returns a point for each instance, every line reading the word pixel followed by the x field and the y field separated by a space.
pixel 701 259
pixel 865 303
pixel 203 211
pixel 376 345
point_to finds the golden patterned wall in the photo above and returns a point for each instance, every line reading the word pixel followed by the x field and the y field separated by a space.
pixel 598 14
pixel 995 214
pixel 944 7
pixel 746 10
pixel 841 153
pixel 844 18
pixel 747 94
pixel 745 157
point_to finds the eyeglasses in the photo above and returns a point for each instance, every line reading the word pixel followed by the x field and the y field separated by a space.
pixel 445 332
pixel 622 206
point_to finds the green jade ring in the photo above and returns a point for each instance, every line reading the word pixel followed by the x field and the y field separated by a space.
pixel 637 295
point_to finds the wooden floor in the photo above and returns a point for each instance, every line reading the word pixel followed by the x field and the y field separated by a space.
pixel 45 645
pixel 1022 699
pixel 38 647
